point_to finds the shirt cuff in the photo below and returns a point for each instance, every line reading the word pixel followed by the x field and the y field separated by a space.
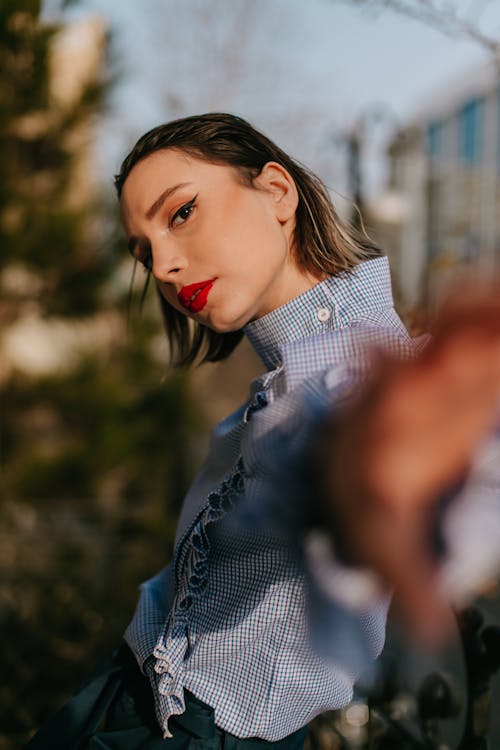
pixel 356 588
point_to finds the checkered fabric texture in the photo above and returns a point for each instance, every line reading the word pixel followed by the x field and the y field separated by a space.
pixel 235 617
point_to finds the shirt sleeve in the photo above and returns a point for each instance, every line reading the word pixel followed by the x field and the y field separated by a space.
pixel 348 606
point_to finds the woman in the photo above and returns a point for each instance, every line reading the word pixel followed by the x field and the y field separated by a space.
pixel 253 629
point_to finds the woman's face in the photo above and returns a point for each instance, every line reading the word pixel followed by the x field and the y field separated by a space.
pixel 219 250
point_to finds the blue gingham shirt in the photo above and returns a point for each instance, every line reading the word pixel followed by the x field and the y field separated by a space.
pixel 231 619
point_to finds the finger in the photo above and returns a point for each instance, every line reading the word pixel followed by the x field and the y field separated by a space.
pixel 471 298
pixel 427 422
pixel 400 551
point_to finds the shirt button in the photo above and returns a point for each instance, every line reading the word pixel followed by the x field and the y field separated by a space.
pixel 323 314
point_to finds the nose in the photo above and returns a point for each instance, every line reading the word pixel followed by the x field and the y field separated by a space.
pixel 167 263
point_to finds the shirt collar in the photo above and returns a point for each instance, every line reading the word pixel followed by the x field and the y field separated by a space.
pixel 328 305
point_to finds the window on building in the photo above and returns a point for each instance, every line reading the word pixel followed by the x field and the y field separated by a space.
pixel 435 140
pixel 471 131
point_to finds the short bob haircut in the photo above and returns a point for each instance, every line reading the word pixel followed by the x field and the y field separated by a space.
pixel 322 242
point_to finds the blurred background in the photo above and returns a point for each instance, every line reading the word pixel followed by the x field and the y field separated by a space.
pixel 394 103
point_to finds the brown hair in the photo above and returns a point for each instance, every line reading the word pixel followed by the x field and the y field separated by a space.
pixel 322 242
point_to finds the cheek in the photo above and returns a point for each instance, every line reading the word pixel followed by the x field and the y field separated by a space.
pixel 247 228
pixel 253 247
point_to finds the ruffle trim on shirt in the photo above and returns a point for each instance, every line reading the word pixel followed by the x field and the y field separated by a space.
pixel 192 579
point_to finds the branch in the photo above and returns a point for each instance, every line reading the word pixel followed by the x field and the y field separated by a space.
pixel 438 15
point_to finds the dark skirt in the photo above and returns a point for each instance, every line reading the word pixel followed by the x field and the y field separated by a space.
pixel 115 711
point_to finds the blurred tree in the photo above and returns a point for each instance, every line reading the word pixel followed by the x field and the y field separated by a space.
pixel 96 442
pixel 39 124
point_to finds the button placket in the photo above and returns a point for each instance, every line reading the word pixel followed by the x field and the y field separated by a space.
pixel 192 582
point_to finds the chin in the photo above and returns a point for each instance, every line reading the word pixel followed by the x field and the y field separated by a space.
pixel 228 324
pixel 224 327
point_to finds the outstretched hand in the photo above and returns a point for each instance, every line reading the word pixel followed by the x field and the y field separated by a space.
pixel 388 461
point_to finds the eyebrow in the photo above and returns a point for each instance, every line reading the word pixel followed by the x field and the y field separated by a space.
pixel 153 210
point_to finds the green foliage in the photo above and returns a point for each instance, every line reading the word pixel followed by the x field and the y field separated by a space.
pixel 38 225
pixel 110 414
pixel 94 489
pixel 96 455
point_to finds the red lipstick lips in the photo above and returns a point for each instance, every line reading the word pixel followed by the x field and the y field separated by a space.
pixel 194 296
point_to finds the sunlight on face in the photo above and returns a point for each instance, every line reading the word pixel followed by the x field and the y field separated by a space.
pixel 220 251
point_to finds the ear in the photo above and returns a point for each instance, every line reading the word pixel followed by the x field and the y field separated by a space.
pixel 281 188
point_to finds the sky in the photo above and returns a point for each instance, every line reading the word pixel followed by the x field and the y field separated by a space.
pixel 303 71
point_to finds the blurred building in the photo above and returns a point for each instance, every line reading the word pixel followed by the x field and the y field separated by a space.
pixel 445 187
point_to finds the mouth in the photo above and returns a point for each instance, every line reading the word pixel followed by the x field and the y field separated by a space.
pixel 194 296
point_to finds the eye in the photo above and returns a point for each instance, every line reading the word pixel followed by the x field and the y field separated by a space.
pixel 183 214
